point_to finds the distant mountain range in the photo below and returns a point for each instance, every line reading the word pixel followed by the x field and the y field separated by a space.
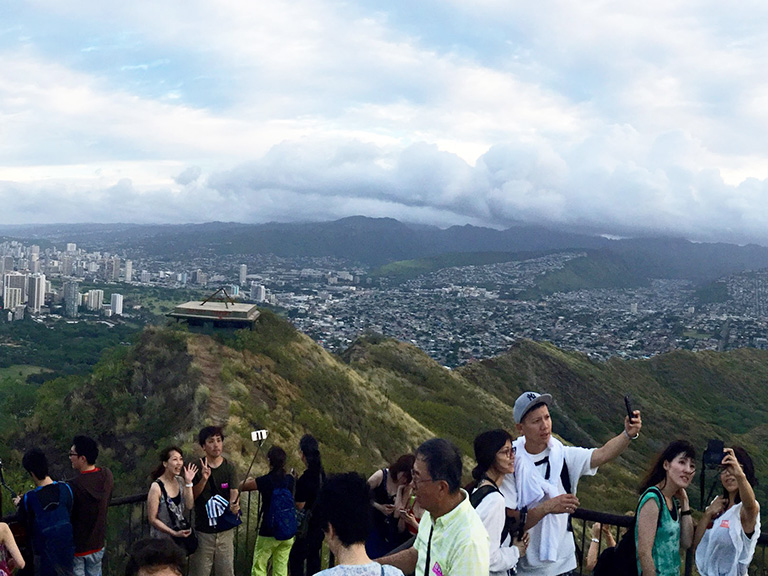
pixel 378 241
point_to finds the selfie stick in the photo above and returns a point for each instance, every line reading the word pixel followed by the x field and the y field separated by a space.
pixel 256 436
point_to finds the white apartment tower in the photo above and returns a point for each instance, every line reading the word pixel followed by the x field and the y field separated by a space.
pixel 258 292
pixel 95 299
pixel 128 270
pixel 11 298
pixel 116 304
pixel 243 274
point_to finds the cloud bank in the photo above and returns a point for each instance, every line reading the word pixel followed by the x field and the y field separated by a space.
pixel 619 119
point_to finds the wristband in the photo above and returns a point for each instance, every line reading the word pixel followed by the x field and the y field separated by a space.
pixel 189 485
pixel 685 513
pixel 595 540
pixel 631 437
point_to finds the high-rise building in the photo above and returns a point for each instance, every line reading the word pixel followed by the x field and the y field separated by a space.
pixel 71 247
pixel 71 298
pixel 95 300
pixel 243 274
pixel 128 270
pixel 67 266
pixel 6 264
pixel 11 298
pixel 116 304
pixel 36 299
pixel 16 280
pixel 258 292
pixel 114 269
pixel 145 277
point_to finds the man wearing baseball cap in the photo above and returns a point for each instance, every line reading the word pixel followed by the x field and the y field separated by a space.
pixel 544 485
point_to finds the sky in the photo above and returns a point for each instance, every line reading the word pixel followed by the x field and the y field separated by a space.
pixel 621 118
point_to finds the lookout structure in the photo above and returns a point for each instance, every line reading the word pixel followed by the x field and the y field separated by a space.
pixel 219 310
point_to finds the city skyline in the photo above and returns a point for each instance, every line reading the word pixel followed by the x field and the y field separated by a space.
pixel 622 119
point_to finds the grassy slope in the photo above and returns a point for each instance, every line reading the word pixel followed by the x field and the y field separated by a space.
pixel 382 399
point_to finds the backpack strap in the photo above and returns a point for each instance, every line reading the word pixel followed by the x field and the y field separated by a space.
pixel 480 493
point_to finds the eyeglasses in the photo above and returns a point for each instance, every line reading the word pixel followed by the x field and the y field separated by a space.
pixel 508 452
pixel 416 480
pixel 74 454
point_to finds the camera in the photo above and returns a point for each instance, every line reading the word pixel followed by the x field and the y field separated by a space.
pixel 714 454
pixel 259 435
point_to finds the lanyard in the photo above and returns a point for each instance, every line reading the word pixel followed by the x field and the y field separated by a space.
pixel 429 551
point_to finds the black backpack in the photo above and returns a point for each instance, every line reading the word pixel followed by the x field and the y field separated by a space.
pixel 621 560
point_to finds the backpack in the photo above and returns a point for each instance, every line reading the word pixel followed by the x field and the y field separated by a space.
pixel 52 536
pixel 621 560
pixel 282 513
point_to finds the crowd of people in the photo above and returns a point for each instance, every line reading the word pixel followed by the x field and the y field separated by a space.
pixel 411 517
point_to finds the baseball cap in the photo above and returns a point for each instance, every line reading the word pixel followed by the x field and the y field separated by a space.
pixel 526 401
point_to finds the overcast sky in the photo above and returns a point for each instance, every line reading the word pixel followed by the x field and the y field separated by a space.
pixel 622 117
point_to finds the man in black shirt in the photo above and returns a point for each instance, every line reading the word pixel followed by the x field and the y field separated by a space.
pixel 216 494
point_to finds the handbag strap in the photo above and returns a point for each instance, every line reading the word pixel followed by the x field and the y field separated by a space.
pixel 177 519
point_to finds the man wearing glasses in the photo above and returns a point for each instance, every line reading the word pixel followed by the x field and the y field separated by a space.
pixel 545 480
pixel 452 540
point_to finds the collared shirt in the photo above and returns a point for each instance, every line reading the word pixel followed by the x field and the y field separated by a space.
pixel 459 545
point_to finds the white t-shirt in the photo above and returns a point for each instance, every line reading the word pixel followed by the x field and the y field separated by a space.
pixel 578 462
pixel 724 549
pixel 493 514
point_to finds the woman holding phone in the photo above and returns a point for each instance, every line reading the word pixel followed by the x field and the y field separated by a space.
pixel 727 534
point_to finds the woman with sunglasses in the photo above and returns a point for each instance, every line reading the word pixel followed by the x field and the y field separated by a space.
pixel 495 458
pixel 727 534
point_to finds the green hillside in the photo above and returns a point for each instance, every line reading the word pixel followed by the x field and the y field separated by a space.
pixel 403 270
pixel 380 399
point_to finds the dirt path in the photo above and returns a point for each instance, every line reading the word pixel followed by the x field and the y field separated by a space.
pixel 207 359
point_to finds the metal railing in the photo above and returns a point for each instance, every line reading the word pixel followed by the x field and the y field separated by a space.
pixel 127 522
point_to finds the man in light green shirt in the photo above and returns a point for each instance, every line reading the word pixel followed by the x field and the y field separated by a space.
pixel 452 540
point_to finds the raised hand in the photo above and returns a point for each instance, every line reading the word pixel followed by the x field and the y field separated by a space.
pixel 205 470
pixel 633 426
pixel 189 473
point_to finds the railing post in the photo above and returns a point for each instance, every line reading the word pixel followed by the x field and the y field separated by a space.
pixel 689 561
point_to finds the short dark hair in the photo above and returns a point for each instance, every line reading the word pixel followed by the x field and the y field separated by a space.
pixel 86 446
pixel 344 502
pixel 443 461
pixel 35 462
pixel 403 465
pixel 152 554
pixel 209 431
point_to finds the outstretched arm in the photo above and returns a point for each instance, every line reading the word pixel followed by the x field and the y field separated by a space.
pixel 405 560
pixel 616 445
